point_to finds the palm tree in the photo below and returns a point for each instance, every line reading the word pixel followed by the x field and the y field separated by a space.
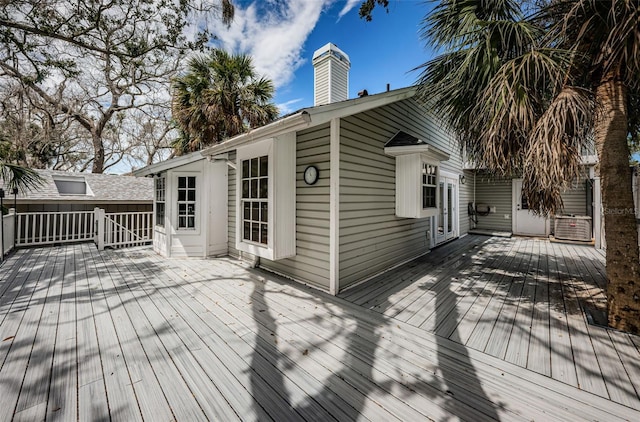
pixel 220 96
pixel 14 176
pixel 527 89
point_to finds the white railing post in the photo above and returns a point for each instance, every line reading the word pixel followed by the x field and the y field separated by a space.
pixel 12 227
pixel 99 218
pixel 1 236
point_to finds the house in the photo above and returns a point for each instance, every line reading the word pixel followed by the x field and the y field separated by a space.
pixel 330 195
pixel 501 209
pixel 66 191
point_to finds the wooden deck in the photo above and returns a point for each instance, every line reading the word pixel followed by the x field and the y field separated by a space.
pixel 127 335
pixel 520 300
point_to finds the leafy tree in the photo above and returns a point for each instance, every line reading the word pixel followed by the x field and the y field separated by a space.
pixel 95 61
pixel 220 96
pixel 526 88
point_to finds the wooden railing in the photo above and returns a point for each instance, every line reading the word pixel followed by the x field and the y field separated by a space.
pixel 7 229
pixel 45 228
pixel 105 229
pixel 124 229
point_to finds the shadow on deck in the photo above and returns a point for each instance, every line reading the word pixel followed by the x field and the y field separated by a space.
pixel 520 300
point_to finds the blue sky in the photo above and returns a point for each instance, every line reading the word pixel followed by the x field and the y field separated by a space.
pixel 282 35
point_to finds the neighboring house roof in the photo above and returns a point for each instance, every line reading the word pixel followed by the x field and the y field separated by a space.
pixel 299 120
pixel 99 188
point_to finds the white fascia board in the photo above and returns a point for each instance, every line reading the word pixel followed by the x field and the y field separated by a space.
pixel 310 117
pixel 428 151
pixel 168 164
pixel 325 113
pixel 292 123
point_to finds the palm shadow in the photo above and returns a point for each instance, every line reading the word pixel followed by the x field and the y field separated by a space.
pixel 351 390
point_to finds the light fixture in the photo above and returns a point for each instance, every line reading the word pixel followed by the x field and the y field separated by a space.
pixel 462 179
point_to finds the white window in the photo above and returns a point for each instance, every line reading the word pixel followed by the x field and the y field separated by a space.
pixel 417 175
pixel 186 202
pixel 429 185
pixel 265 198
pixel 160 183
pixel 254 199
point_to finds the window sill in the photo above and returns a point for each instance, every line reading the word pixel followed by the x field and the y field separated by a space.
pixel 255 249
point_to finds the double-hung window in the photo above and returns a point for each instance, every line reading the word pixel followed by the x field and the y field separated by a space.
pixel 254 200
pixel 160 185
pixel 266 197
pixel 429 185
pixel 186 202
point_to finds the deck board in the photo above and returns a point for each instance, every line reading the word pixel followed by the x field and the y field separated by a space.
pixel 62 400
pixel 526 308
pixel 135 336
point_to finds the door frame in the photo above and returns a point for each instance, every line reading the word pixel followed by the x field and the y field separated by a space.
pixel 514 212
pixel 444 177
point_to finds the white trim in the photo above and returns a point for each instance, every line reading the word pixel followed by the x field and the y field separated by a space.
pixel 196 230
pixel 257 149
pixel 597 213
pixel 168 164
pixel 311 117
pixel 443 176
pixel 281 223
pixel 514 215
pixel 334 208
pixel 429 152
pixel 293 123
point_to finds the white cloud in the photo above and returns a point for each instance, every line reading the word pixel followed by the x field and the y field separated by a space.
pixel 347 7
pixel 273 33
pixel 286 107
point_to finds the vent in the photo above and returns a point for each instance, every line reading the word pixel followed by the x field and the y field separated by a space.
pixel 573 228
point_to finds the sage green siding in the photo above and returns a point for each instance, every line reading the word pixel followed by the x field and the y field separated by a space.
pixel 372 238
pixel 311 263
pixel 231 216
pixel 496 193
pixel 466 196
pixel 574 199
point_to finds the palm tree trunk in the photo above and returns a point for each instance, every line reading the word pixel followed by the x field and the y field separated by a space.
pixel 622 262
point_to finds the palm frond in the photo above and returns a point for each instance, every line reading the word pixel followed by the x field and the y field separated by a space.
pixel 22 178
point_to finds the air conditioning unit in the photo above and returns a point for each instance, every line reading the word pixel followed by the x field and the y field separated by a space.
pixel 573 227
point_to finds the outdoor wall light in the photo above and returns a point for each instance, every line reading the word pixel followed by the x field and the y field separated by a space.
pixel 1 193
pixel 462 179
pixel 14 191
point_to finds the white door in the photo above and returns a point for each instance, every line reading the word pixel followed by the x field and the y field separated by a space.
pixel 447 219
pixel 525 222
pixel 216 176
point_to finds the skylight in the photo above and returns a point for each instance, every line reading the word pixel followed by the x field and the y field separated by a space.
pixel 69 185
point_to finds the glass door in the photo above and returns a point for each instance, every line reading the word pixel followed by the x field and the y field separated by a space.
pixel 447 221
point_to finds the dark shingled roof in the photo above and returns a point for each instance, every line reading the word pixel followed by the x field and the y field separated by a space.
pixel 104 188
pixel 403 139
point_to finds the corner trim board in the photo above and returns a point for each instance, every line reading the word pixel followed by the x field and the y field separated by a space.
pixel 334 207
